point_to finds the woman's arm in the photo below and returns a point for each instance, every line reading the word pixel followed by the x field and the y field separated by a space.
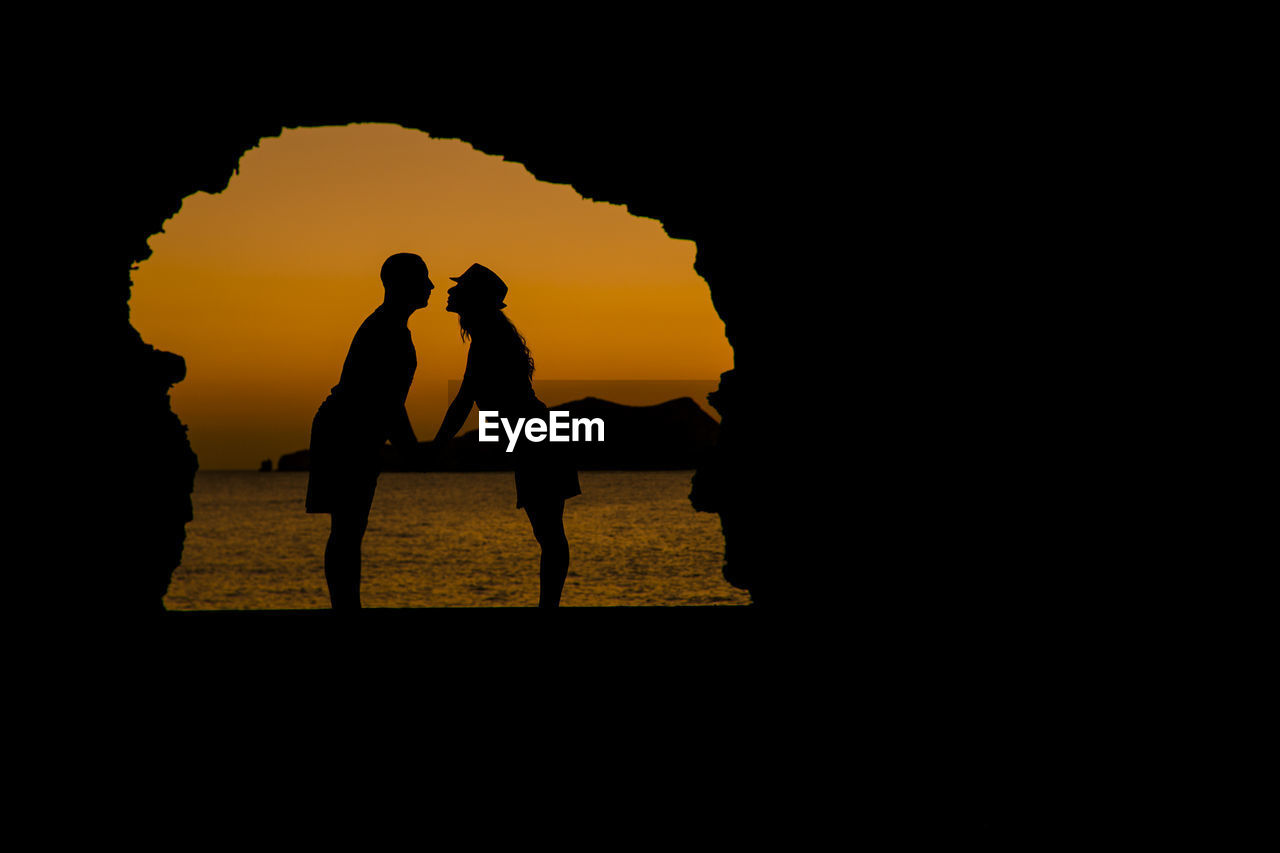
pixel 457 414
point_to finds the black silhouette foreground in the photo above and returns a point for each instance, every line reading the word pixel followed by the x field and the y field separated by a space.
pixel 652 155
pixel 364 410
pixel 499 377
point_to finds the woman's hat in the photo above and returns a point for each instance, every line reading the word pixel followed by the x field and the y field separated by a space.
pixel 484 280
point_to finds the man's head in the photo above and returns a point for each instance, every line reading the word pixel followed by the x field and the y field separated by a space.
pixel 405 278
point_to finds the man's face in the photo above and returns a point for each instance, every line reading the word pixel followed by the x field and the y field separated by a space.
pixel 416 291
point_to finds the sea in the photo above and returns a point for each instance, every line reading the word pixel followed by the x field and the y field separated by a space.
pixel 450 540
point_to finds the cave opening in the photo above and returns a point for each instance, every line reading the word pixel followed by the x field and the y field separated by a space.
pixel 260 287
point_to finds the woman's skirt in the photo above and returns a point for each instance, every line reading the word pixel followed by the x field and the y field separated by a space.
pixel 544 472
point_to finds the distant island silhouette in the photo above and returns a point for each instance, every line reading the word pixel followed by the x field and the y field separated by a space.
pixel 674 435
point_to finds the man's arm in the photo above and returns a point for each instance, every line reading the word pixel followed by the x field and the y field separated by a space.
pixel 402 436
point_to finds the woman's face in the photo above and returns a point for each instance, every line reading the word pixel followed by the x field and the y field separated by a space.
pixel 462 299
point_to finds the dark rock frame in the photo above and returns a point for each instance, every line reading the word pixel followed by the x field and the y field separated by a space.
pixel 695 167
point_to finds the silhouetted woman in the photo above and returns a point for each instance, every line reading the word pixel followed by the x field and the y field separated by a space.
pixel 499 376
pixel 365 409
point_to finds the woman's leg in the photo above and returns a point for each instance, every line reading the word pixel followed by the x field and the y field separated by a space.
pixel 342 558
pixel 547 518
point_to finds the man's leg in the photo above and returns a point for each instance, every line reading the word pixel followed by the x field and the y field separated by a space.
pixel 342 558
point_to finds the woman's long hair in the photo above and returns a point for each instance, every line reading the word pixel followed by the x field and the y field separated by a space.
pixel 505 338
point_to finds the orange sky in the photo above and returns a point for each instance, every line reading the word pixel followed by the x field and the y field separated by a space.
pixel 262 286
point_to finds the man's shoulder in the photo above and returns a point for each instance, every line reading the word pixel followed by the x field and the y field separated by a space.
pixel 376 324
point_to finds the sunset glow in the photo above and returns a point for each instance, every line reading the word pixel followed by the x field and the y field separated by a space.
pixel 262 286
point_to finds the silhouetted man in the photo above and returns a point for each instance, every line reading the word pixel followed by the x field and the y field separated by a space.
pixel 365 409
